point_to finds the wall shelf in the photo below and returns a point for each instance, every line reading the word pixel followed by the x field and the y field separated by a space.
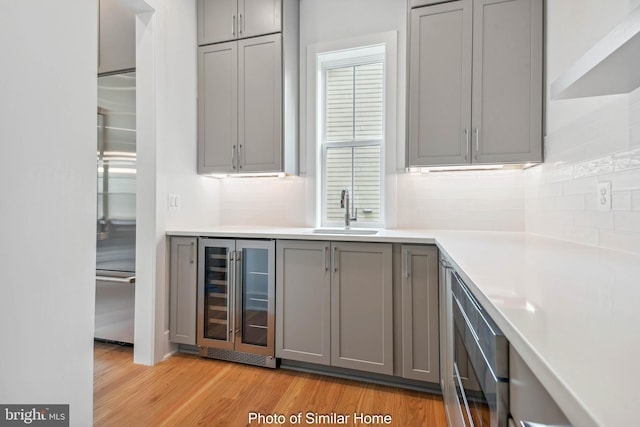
pixel 611 66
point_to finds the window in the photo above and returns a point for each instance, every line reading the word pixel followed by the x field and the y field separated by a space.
pixel 351 134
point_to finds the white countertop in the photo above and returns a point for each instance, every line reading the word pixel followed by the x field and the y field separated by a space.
pixel 571 311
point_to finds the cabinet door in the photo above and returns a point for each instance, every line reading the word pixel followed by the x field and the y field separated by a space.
pixel 117 37
pixel 260 104
pixel 217 21
pixel 361 307
pixel 303 295
pixel 217 107
pixel 258 17
pixel 216 323
pixel 440 84
pixel 183 285
pixel 507 81
pixel 254 305
pixel 420 337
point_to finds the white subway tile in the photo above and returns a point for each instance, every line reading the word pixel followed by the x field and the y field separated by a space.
pixel 621 201
pixel 580 186
pixel 594 219
pixel 627 221
pixel 624 181
pixel 575 202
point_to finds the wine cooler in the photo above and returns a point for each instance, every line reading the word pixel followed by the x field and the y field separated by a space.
pixel 236 301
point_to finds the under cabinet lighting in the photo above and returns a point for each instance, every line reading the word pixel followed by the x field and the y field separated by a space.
pixel 248 175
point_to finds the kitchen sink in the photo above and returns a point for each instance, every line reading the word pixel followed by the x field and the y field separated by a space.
pixel 351 231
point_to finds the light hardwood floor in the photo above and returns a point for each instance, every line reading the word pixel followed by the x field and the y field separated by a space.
pixel 187 390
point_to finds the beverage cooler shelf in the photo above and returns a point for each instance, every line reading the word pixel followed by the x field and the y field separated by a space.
pixel 218 321
pixel 218 308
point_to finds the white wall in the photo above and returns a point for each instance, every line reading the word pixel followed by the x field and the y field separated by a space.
pixel 167 149
pixel 589 140
pixel 48 208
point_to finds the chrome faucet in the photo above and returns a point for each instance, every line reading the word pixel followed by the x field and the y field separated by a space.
pixel 344 203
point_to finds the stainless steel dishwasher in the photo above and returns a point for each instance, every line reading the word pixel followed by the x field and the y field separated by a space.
pixel 475 376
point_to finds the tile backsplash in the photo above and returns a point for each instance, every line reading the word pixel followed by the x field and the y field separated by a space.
pixel 561 194
pixel 470 200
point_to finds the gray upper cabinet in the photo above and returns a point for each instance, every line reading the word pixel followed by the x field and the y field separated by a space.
pixel 260 104
pixel 440 81
pixel 476 83
pixel 224 20
pixel 361 306
pixel 303 292
pixel 507 81
pixel 420 335
pixel 183 284
pixel 117 37
pixel 248 86
pixel 240 106
pixel 217 107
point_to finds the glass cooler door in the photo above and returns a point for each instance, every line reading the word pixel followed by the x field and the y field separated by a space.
pixel 215 293
pixel 256 297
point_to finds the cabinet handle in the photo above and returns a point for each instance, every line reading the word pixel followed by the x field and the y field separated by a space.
pixel 324 264
pixel 477 142
pixel 407 267
pixel 240 156
pixel 233 25
pixel 191 257
pixel 466 138
pixel 240 24
pixel 233 157
pixel 231 298
pixel 238 297
pixel 532 424
pixel 334 260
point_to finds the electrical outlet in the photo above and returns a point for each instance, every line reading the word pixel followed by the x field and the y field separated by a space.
pixel 604 196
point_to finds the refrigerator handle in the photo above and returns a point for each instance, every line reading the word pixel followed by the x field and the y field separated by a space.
pixel 238 296
pixel 231 319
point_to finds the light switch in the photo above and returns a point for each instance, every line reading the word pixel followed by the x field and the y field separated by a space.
pixel 174 201
pixel 604 196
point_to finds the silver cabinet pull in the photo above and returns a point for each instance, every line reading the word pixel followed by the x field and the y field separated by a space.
pixel 191 256
pixel 231 269
pixel 334 260
pixel 477 142
pixel 240 24
pixel 233 25
pixel 239 297
pixel 407 267
pixel 233 156
pixel 240 156
pixel 532 424
pixel 325 250
pixel 467 142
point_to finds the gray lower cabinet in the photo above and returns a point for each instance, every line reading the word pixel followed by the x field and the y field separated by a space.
pixel 303 297
pixel 183 282
pixel 334 304
pixel 420 335
pixel 475 81
pixel 529 401
pixel 240 106
pixel 361 306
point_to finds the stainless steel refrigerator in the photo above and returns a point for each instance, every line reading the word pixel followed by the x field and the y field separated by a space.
pixel 116 198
